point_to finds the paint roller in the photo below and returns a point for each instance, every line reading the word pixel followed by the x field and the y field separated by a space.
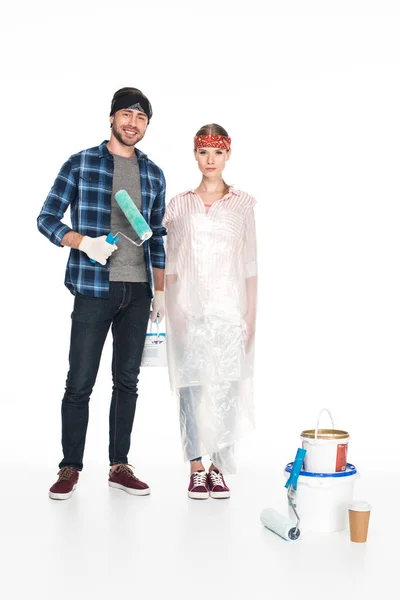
pixel 135 218
pixel 276 522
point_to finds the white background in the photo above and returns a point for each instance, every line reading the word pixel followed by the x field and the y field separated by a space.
pixel 310 94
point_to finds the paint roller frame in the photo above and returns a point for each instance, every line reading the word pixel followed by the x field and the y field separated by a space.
pixel 276 522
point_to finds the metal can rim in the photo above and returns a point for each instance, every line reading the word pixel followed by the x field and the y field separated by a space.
pixel 325 434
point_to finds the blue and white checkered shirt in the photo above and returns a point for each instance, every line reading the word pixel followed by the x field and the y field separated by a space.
pixel 84 184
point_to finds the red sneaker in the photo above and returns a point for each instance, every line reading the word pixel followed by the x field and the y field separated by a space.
pixel 65 485
pixel 198 488
pixel 217 485
pixel 124 479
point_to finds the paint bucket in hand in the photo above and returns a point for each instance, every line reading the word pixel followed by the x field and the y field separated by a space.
pixel 326 448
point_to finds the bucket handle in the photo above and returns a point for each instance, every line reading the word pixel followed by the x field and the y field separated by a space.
pixel 319 418
pixel 157 327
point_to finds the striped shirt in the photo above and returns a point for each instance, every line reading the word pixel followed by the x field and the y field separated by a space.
pixel 84 184
pixel 211 251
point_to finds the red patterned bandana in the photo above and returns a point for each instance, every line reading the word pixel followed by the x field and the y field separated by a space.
pixel 212 141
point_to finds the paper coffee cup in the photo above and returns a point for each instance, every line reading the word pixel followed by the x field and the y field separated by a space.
pixel 359 513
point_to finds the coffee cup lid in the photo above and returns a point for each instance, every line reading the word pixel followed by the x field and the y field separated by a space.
pixel 360 505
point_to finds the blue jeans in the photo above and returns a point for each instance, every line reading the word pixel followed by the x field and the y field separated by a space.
pixel 126 311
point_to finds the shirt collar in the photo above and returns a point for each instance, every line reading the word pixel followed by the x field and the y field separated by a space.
pixel 103 151
pixel 232 190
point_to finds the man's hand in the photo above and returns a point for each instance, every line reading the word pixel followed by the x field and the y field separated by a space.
pixel 158 307
pixel 97 248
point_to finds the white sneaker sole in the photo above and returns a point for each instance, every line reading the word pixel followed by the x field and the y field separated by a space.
pixel 198 495
pixel 220 495
pixel 54 496
pixel 134 492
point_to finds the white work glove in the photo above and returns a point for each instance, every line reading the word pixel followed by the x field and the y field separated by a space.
pixel 158 307
pixel 97 248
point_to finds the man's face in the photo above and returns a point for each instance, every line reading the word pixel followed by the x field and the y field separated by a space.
pixel 128 126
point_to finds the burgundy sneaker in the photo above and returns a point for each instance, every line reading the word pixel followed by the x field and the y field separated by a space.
pixel 65 485
pixel 198 487
pixel 124 479
pixel 217 485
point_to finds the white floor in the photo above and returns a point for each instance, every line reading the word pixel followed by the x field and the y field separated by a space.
pixel 103 543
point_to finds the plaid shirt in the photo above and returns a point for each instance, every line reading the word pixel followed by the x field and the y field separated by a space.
pixel 84 184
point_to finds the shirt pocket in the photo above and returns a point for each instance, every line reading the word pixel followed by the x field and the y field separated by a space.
pixel 94 182
pixel 93 212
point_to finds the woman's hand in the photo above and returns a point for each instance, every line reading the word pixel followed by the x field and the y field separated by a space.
pixel 250 330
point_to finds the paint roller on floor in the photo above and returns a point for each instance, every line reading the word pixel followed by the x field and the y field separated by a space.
pixel 135 218
pixel 276 522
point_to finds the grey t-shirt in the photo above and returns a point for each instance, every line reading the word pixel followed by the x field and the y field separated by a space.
pixel 127 263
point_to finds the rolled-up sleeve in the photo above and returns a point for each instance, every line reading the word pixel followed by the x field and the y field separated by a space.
pixel 157 251
pixel 62 193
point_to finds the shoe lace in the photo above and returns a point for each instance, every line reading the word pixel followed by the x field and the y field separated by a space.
pixel 128 470
pixel 199 478
pixel 65 473
pixel 216 478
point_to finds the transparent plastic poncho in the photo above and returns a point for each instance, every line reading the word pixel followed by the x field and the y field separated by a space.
pixel 210 274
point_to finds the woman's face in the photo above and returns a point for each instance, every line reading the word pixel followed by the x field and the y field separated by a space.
pixel 211 161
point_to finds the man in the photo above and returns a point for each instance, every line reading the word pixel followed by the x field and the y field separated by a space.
pixel 113 284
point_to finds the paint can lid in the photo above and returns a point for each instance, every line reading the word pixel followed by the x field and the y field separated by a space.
pixel 350 471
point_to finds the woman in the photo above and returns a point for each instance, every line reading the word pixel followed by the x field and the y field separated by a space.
pixel 211 283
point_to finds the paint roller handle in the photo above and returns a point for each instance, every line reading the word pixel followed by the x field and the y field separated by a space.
pixel 94 247
pixel 296 468
pixel 112 239
pixel 319 418
pixel 291 484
